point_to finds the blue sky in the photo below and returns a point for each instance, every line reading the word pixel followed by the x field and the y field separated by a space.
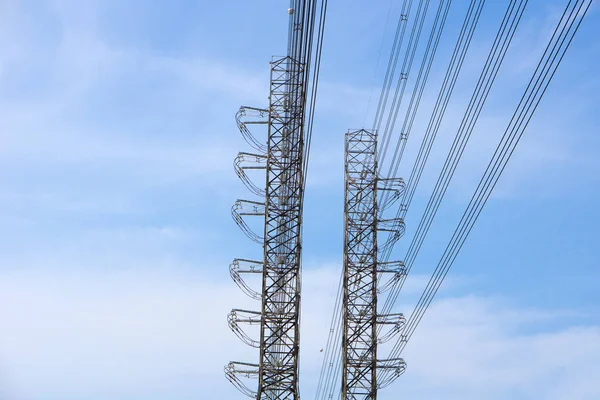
pixel 117 140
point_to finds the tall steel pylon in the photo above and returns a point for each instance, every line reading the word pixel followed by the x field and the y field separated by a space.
pixel 364 275
pixel 282 160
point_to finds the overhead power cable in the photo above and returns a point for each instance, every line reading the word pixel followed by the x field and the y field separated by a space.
pixel 405 69
pixel 331 366
pixel 329 379
pixel 312 93
pixel 559 43
pixel 385 28
pixel 486 80
pixel 445 93
pixel 415 100
pixel 332 350
pixel 392 63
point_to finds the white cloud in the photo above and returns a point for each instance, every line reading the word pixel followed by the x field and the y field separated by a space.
pixel 474 348
pixel 108 314
pixel 122 333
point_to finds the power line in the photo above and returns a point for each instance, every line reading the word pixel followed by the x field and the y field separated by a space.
pixel 488 75
pixel 290 120
pixel 425 68
pixel 556 49
pixel 409 57
pixel 392 63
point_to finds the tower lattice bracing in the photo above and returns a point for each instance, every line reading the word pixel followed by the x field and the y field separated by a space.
pixel 281 158
pixel 281 273
pixel 281 206
pixel 364 276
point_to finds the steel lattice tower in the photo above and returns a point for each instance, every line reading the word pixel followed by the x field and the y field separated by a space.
pixel 281 283
pixel 362 271
pixel 282 160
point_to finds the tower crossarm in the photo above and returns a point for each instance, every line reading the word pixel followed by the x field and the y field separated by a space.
pixel 390 191
pixel 245 208
pixel 245 162
pixel 240 267
pixel 393 368
pixel 394 228
pixel 392 323
pixel 389 273
pixel 247 117
pixel 237 317
pixel 236 370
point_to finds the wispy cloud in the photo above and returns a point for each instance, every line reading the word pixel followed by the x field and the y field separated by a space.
pixel 119 332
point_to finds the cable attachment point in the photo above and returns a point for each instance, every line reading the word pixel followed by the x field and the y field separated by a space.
pixel 395 228
pixel 248 116
pixel 391 189
pixel 394 271
pixel 390 369
pixel 241 266
pixel 234 370
pixel 243 208
pixel 395 323
pixel 237 316
pixel 245 162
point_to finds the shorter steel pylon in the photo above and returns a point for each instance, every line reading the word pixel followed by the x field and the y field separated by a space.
pixel 363 271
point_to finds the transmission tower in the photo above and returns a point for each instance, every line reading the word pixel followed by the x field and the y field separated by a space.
pixel 282 159
pixel 364 275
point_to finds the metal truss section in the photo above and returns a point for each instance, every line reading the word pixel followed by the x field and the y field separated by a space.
pixel 245 208
pixel 247 117
pixel 278 375
pixel 282 160
pixel 241 266
pixel 235 370
pixel 359 342
pixel 245 162
pixel 364 275
pixel 237 316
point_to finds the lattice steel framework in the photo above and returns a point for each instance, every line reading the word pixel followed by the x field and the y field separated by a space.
pixel 360 267
pixel 281 283
pixel 362 272
pixel 282 160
